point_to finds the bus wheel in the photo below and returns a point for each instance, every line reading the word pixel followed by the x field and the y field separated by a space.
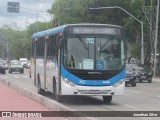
pixel 57 96
pixel 107 99
pixel 40 90
pixel 54 87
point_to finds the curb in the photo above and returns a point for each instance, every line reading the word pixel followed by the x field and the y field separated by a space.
pixel 156 78
pixel 49 103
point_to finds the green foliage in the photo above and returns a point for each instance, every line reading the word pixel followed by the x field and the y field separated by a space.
pixel 135 50
pixel 77 11
pixel 17 41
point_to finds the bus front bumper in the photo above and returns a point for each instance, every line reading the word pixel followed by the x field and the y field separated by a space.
pixel 69 89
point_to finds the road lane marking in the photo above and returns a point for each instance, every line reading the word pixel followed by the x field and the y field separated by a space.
pixel 16 77
pixel 134 92
pixel 5 77
pixel 25 76
pixel 128 105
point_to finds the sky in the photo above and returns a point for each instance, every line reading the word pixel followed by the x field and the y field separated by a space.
pixel 25 15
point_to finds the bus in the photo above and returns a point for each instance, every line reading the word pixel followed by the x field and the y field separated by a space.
pixel 79 59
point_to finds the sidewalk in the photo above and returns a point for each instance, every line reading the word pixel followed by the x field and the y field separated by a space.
pixel 156 78
pixel 11 100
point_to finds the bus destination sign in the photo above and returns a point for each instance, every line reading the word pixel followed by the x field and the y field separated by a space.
pixel 96 30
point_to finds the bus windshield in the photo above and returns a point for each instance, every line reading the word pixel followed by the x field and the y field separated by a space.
pixel 94 53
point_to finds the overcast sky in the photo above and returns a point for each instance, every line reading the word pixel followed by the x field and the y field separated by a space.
pixel 25 14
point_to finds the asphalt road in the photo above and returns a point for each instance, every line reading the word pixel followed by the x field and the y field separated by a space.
pixel 144 97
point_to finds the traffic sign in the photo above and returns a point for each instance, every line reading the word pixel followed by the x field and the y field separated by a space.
pixel 13 7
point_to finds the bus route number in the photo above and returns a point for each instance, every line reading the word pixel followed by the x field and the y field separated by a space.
pixel 90 40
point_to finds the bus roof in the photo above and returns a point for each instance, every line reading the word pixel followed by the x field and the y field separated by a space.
pixel 48 32
pixel 61 28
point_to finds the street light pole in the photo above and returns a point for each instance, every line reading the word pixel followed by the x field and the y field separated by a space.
pixel 156 37
pixel 142 44
pixel 141 22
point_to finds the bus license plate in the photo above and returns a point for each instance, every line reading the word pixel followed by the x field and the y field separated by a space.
pixel 94 91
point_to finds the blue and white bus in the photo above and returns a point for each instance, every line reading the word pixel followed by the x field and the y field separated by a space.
pixel 79 59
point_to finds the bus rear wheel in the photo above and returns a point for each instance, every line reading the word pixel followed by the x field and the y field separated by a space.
pixel 40 90
pixel 107 99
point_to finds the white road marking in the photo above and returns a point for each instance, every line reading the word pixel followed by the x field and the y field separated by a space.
pixel 128 105
pixel 5 77
pixel 16 77
pixel 134 92
pixel 25 76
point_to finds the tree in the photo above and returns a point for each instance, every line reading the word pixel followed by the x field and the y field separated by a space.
pixel 16 39
pixel 76 11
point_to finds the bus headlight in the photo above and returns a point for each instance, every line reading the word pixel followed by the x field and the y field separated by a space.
pixel 119 83
pixel 68 82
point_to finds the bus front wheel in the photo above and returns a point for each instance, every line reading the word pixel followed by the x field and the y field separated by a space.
pixel 107 99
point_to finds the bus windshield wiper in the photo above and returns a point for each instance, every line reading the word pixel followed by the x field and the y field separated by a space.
pixel 83 43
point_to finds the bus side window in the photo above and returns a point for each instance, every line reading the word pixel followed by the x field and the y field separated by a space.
pixel 51 46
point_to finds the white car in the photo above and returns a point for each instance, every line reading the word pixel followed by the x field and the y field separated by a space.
pixel 24 62
pixel 16 66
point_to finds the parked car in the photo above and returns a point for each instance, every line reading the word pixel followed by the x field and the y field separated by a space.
pixel 130 77
pixel 24 62
pixel 16 66
pixel 142 73
pixel 2 68
pixel 4 62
